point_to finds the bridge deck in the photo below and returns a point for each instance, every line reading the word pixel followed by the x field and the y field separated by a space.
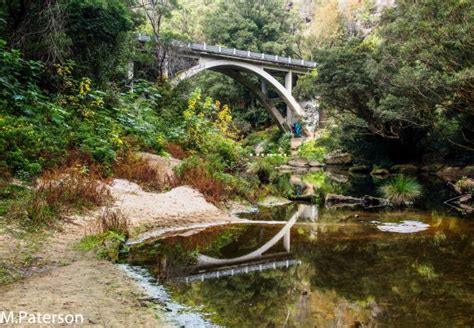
pixel 237 53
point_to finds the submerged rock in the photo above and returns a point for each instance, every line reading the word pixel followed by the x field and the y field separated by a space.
pixel 456 171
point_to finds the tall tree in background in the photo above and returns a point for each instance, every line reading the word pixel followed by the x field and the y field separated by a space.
pixel 155 12
pixel 261 25
pixel 37 28
pixel 408 87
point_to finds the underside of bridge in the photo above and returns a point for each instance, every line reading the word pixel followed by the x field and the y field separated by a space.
pixel 235 69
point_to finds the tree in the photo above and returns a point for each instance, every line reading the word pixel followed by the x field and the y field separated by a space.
pixel 98 30
pixel 410 83
pixel 254 25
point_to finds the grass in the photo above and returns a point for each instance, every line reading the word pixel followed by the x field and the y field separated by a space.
pixel 401 190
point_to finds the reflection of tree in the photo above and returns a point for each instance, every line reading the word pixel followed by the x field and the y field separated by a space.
pixel 257 299
pixel 417 279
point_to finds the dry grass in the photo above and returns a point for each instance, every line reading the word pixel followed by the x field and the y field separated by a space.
pixel 177 151
pixel 197 177
pixel 112 220
pixel 58 192
pixel 139 170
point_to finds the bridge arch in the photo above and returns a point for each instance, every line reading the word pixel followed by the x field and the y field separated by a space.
pixel 227 67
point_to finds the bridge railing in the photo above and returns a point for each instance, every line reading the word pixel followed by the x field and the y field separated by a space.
pixel 233 52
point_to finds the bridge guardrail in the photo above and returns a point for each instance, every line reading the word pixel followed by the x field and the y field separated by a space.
pixel 237 52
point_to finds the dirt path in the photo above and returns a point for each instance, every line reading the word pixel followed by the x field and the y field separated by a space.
pixel 69 281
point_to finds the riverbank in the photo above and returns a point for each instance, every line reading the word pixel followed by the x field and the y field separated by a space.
pixel 47 272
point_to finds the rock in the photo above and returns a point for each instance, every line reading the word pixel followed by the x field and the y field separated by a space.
pixel 273 201
pixel 359 169
pixel 335 200
pixel 299 162
pixel 456 171
pixel 338 158
pixel 464 186
pixel 405 168
pixel 315 164
pixel 380 172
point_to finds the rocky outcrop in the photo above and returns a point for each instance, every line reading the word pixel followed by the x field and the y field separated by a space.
pixel 335 201
pixel 338 158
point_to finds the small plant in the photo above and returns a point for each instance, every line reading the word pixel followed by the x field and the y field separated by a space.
pixel 401 190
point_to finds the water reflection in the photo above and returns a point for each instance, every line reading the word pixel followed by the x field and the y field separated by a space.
pixel 346 271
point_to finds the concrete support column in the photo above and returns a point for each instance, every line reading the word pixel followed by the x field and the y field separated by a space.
pixel 264 88
pixel 289 88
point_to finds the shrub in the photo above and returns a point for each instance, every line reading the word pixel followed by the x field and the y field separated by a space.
pixel 401 190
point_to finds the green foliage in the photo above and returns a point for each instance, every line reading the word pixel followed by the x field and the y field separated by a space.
pixel 97 30
pixel 403 91
pixel 255 25
pixel 106 245
pixel 401 190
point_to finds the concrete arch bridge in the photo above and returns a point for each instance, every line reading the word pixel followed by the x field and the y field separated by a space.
pixel 269 69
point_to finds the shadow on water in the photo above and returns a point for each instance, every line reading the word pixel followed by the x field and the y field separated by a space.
pixel 336 268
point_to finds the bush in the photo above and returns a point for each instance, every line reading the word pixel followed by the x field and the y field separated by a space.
pixel 401 190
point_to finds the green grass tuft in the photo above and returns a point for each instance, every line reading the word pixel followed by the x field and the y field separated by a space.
pixel 401 190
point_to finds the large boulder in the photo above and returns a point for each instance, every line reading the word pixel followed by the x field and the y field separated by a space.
pixel 338 158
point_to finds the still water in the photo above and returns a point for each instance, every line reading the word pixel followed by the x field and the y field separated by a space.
pixel 328 268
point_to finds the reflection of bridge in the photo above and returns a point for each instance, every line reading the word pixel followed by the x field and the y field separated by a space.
pixel 284 233
pixel 266 67
pixel 241 269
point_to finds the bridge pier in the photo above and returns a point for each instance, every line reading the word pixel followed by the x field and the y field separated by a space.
pixel 289 88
